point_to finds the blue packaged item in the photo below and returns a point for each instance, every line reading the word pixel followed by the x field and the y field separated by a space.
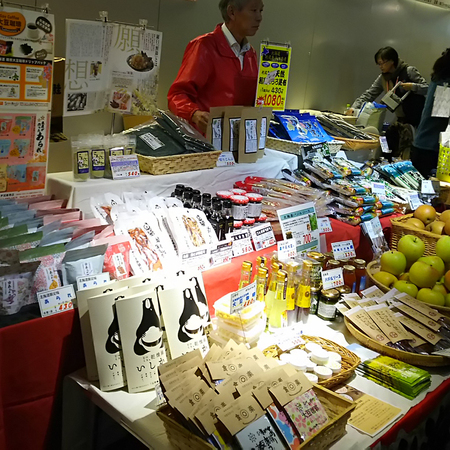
pixel 388 210
pixel 368 216
pixel 303 128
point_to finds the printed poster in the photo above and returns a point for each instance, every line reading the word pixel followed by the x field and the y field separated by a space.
pixel 26 73
pixel 26 59
pixel 111 67
pixel 274 64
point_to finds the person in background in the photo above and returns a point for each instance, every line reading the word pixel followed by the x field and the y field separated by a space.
pixel 425 149
pixel 394 70
pixel 219 68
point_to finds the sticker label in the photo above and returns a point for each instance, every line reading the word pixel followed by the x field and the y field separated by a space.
pixel 56 300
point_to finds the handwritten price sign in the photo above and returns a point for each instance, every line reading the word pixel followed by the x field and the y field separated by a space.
pixel 343 250
pixel 55 301
pixel 242 298
pixel 324 225
pixel 332 278
pixel 287 249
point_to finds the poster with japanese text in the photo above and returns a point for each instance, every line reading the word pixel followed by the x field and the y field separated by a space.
pixel 273 76
pixel 111 67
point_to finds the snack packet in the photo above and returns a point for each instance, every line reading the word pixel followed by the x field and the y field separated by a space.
pixel 117 256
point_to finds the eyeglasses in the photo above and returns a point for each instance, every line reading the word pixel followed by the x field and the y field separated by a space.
pixel 382 63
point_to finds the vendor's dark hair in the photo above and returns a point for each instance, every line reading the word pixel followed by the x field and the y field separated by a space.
pixel 223 6
pixel 441 68
pixel 387 54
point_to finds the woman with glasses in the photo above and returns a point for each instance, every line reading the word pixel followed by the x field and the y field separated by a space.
pixel 394 70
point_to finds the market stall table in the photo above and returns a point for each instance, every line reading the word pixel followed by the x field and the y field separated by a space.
pixel 137 412
pixel 62 185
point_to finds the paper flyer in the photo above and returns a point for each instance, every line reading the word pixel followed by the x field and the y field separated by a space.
pixel 274 63
pixel 111 67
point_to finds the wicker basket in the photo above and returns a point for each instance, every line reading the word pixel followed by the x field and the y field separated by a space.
pixel 349 360
pixel 400 228
pixel 295 148
pixel 374 267
pixel 410 358
pixel 178 163
pixel 359 144
pixel 338 409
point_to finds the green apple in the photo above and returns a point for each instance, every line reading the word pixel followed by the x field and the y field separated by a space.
pixel 436 262
pixel 385 278
pixel 439 287
pixel 423 275
pixel 447 280
pixel 428 296
pixel 407 287
pixel 404 276
pixel 393 262
pixel 443 248
pixel 412 247
pixel 447 300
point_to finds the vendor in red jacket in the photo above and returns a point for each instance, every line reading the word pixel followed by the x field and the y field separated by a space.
pixel 219 68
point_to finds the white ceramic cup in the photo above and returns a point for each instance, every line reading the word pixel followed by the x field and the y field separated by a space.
pixel 32 31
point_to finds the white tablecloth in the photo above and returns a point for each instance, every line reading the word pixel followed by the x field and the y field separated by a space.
pixel 62 184
pixel 137 412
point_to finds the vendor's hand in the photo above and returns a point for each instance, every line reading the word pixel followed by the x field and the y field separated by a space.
pixel 407 86
pixel 349 112
pixel 200 119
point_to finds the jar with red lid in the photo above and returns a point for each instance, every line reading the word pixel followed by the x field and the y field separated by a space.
pixel 262 218
pixel 238 224
pixel 236 191
pixel 249 222
pixel 239 208
pixel 224 195
pixel 254 204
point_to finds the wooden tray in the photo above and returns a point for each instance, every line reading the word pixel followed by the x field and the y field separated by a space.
pixel 410 358
pixel 349 362
pixel 338 409
pixel 374 267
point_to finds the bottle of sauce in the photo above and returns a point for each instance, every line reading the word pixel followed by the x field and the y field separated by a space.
pixel 315 298
pixel 327 305
pixel 246 274
pixel 261 280
pixel 350 277
pixel 360 266
pixel 332 264
pixel 272 286
pixel 277 317
pixel 227 217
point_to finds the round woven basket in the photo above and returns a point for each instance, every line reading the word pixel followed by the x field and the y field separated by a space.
pixel 400 228
pixel 374 267
pixel 349 360
pixel 410 358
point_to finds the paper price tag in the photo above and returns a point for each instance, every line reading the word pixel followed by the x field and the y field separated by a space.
pixel 427 187
pixel 199 259
pixel 243 298
pixel 287 249
pixel 55 301
pixel 222 253
pixel 262 236
pixel 226 159
pixel 324 225
pixel 290 340
pixel 124 166
pixel 343 250
pixel 414 201
pixel 379 189
pixel 92 281
pixel 374 228
pixel 242 243
pixel 384 145
pixel 332 278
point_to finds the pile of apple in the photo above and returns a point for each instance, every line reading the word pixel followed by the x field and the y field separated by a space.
pixel 425 219
pixel 426 278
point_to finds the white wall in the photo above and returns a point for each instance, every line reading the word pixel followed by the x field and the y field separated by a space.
pixel 333 41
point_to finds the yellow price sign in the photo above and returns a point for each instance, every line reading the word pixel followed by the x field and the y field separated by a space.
pixel 274 63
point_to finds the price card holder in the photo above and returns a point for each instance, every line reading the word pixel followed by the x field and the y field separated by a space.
pixel 55 301
pixel 379 189
pixel 198 260
pixel 92 281
pixel 226 159
pixel 262 236
pixel 222 253
pixel 332 278
pixel 124 166
pixel 430 187
pixel 324 225
pixel 287 249
pixel 343 250
pixel 414 201
pixel 242 242
pixel 243 298
pixel 384 145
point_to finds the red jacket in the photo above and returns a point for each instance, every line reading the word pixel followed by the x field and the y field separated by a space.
pixel 211 75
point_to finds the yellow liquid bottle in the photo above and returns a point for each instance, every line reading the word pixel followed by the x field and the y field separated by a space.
pixel 291 269
pixel 271 287
pixel 261 261
pixel 246 274
pixel 261 280
pixel 303 301
pixel 277 317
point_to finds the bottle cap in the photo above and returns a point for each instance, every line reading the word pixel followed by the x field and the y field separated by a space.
pixel 239 199
pixel 238 191
pixel 224 194
pixel 254 197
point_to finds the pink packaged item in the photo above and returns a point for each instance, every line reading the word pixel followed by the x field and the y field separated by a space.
pixel 64 218
pixel 52 204
pixel 51 212
pixel 80 231
pixel 85 223
pixel 117 256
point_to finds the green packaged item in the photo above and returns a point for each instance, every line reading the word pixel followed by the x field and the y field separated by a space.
pixel 14 231
pixel 22 242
